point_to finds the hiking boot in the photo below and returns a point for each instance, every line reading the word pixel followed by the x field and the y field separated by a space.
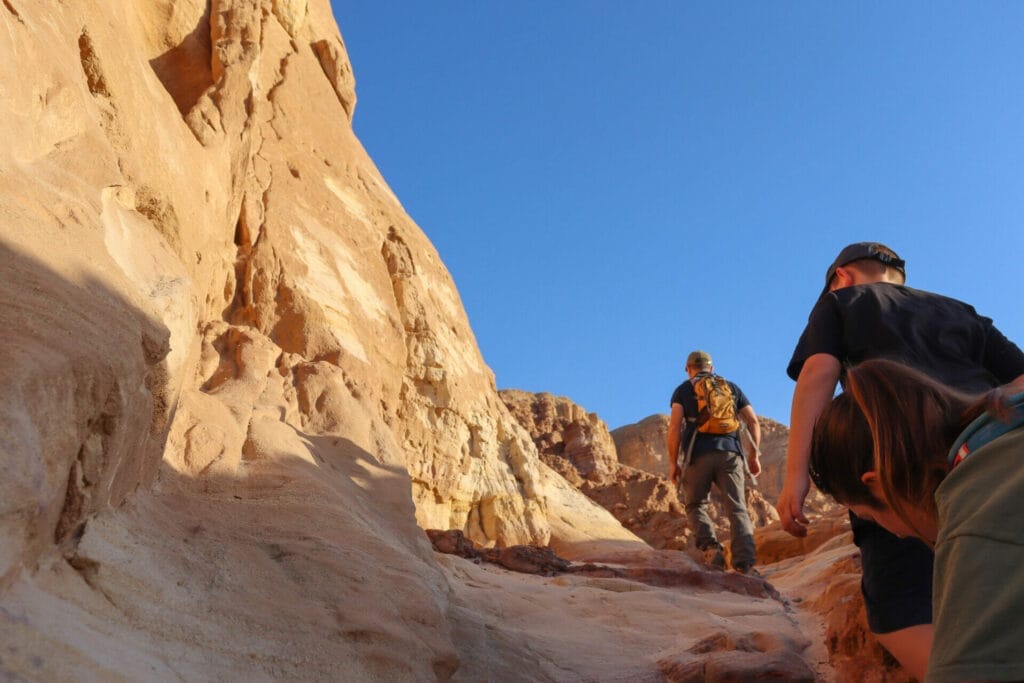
pixel 747 570
pixel 713 556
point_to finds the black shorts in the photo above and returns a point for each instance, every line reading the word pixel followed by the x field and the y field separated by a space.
pixel 897 581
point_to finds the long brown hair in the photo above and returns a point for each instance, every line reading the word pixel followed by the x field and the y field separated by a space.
pixel 898 422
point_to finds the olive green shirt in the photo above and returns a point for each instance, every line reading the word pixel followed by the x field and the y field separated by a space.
pixel 978 595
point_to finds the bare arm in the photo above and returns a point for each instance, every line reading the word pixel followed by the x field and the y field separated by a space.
pixel 814 389
pixel 1015 387
pixel 749 418
pixel 675 422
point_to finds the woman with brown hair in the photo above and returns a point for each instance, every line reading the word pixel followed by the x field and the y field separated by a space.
pixel 924 460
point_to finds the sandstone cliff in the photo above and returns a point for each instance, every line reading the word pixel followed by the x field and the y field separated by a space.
pixel 239 383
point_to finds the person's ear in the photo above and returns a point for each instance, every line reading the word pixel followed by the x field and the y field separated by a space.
pixel 873 483
pixel 844 277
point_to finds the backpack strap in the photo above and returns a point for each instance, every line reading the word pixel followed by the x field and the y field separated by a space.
pixel 693 387
pixel 986 428
pixel 689 450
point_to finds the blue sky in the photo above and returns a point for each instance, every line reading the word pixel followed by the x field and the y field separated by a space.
pixel 615 184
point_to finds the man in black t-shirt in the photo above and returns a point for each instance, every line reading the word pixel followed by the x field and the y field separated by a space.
pixel 865 312
pixel 713 458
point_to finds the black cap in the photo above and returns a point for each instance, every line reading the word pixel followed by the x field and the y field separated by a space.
pixel 865 250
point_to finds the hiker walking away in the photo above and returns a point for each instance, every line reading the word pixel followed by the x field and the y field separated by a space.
pixel 711 409
pixel 864 312
pixel 924 460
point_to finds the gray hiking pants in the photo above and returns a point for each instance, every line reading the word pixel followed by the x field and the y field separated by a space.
pixel 724 469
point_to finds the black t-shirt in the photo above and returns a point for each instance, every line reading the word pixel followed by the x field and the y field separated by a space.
pixel 942 337
pixel 684 396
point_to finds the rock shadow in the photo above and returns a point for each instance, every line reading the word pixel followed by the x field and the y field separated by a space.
pixel 185 70
pixel 85 408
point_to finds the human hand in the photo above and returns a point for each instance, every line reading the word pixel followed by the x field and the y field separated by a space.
pixel 791 505
pixel 673 474
pixel 754 463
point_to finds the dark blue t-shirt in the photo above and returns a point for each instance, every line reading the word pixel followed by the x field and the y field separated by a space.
pixel 684 396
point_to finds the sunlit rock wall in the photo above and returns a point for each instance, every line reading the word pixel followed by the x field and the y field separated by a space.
pixel 230 359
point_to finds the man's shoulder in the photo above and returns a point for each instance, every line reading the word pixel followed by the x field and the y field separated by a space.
pixel 887 291
pixel 681 391
pixel 927 298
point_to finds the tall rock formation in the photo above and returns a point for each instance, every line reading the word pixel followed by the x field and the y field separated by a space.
pixel 187 200
pixel 221 333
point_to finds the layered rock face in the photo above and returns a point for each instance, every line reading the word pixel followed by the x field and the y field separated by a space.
pixel 642 445
pixel 570 440
pixel 229 358
pixel 188 202
pixel 822 573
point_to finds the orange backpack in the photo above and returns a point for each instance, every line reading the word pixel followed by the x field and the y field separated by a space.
pixel 716 404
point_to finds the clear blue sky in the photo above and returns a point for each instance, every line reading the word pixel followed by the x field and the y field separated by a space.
pixel 615 184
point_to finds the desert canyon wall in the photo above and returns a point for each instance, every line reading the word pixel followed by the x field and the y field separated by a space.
pixel 239 383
